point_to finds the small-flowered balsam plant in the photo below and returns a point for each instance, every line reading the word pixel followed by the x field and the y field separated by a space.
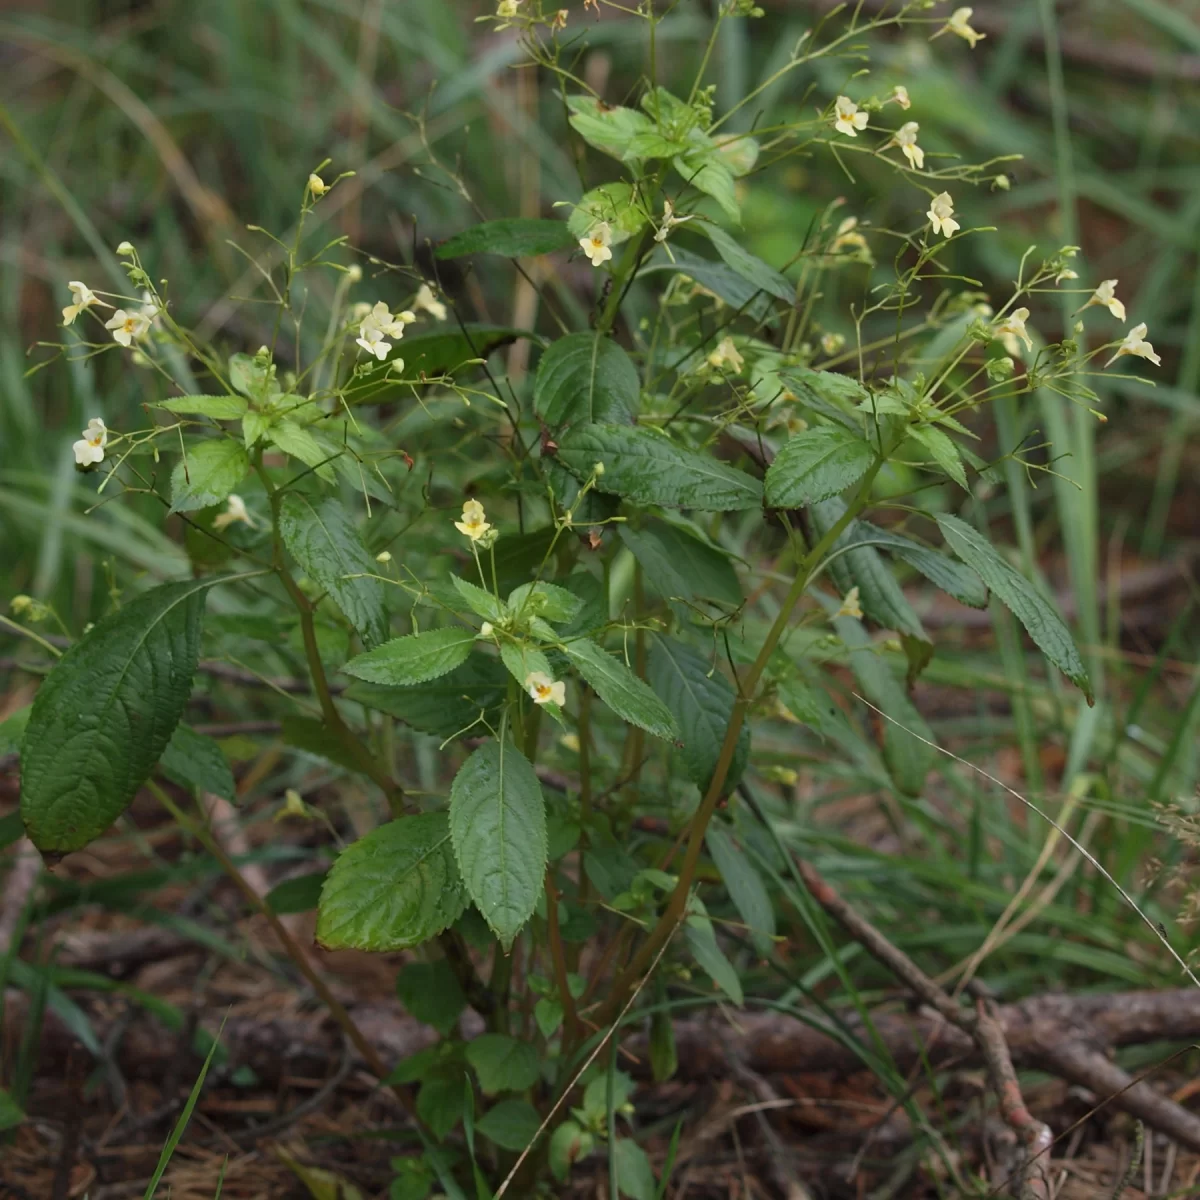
pixel 554 580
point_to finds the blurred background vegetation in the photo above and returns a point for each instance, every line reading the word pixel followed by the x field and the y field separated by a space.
pixel 176 124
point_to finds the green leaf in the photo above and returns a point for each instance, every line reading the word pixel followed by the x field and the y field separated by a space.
pixel 612 202
pixel 907 760
pixel 648 468
pixel 944 451
pixel 431 993
pixel 522 660
pixel 635 1178
pixel 881 597
pixel 1018 595
pixel 503 1063
pixel 702 940
pixel 322 538
pixel 568 1144
pixel 255 426
pixel 196 761
pixel 414 659
pixel 444 706
pixel 512 1124
pixel 706 169
pixel 513 237
pixel 498 823
pixel 207 474
pixel 299 894
pixel 739 154
pixel 252 377
pixel 440 1100
pixel 544 600
pixel 611 130
pixel 680 565
pixel 445 352
pixel 105 713
pixel 585 377
pixel 627 695
pixel 718 278
pixel 220 408
pixel 816 464
pixel 952 577
pixel 834 396
pixel 701 700
pixel 298 442
pixel 750 268
pixel 744 885
pixel 395 888
pixel 482 604
pixel 11 1114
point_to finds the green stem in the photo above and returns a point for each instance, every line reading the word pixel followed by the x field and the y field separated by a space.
pixel 676 907
pixel 559 959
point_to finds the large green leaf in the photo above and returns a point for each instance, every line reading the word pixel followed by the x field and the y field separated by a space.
pixel 512 1124
pixel 104 715
pixel 744 885
pixel 300 443
pixel 701 701
pixel 512 237
pixel 503 1063
pixel 677 563
pixel 723 281
pixel 612 130
pixel 207 474
pixel 194 760
pixel 413 659
pixel 616 204
pixel 498 824
pixel 750 268
pixel 397 887
pixel 322 538
pixel 815 464
pixel 585 377
pixel 704 168
pixel 836 397
pixel 952 577
pixel 220 408
pixel 648 468
pixel 881 597
pixel 442 706
pixel 635 1176
pixel 431 993
pixel 1017 594
pixel 627 695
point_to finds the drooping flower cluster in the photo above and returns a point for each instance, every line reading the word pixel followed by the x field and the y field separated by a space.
pixel 378 325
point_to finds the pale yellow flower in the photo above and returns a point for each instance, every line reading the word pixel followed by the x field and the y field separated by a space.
pixel 486 629
pixel 1135 343
pixel 900 96
pixel 89 450
pixel 831 343
pixel 235 510
pixel 847 119
pixel 598 243
pixel 848 236
pixel 850 605
pixel 317 185
pixel 506 10
pixel 1066 273
pixel 726 356
pixel 474 524
pixel 426 301
pixel 906 139
pixel 384 556
pixel 125 249
pixel 545 690
pixel 959 24
pixel 83 297
pixel 941 215
pixel 127 327
pixel 1014 326
pixel 669 221
pixel 1106 296
pixel 559 20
